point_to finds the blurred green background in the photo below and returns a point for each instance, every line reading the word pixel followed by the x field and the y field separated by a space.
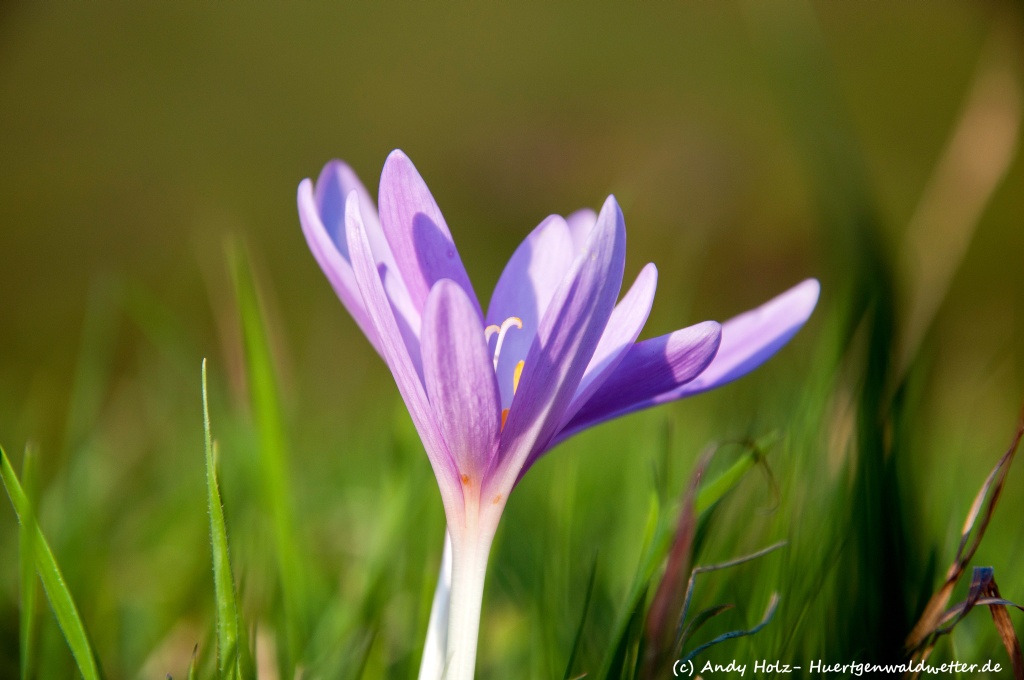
pixel 871 145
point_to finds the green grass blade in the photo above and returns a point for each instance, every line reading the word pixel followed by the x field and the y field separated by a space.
pixel 273 469
pixel 622 657
pixel 712 491
pixel 583 620
pixel 27 564
pixel 53 581
pixel 229 637
pixel 656 542
pixel 659 534
pixel 193 673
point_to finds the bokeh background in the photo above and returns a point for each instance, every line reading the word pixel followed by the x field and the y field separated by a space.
pixel 871 145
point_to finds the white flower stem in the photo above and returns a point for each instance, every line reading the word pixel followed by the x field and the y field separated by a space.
pixel 436 645
pixel 470 549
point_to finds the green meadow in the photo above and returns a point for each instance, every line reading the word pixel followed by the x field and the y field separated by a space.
pixel 213 475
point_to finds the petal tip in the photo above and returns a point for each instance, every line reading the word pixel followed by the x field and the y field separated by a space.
pixel 803 297
pixel 710 327
pixel 353 216
pixel 333 166
pixel 444 287
pixel 611 203
pixel 704 332
pixel 337 171
pixel 397 157
pixel 610 222
pixel 813 290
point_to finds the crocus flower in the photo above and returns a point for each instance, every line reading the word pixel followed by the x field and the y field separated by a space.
pixel 554 354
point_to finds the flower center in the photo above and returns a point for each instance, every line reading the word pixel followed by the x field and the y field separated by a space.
pixel 518 372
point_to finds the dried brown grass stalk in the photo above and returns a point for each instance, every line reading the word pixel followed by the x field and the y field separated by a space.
pixel 937 620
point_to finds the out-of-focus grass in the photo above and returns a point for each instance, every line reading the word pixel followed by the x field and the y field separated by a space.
pixel 234 660
pixel 27 566
pixel 749 149
pixel 38 553
pixel 293 582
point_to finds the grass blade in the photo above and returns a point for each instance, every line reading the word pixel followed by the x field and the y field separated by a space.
pixel 229 639
pixel 769 612
pixel 978 518
pixel 1001 620
pixel 716 567
pixel 662 633
pixel 980 580
pixel 984 592
pixel 273 469
pixel 659 632
pixel 660 536
pixel 53 581
pixel 699 620
pixel 583 620
pixel 657 539
pixel 959 190
pixel 714 490
pixel 193 673
pixel 27 565
pixel 621 661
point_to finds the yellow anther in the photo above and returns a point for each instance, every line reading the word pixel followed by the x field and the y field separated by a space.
pixel 517 372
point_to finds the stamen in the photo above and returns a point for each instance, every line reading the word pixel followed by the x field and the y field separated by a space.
pixel 501 330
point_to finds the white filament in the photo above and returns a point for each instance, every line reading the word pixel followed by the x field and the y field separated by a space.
pixel 501 330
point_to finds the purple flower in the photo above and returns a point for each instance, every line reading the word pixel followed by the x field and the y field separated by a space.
pixel 554 354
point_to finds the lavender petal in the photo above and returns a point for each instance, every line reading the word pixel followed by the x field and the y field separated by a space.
pixel 750 339
pixel 416 231
pixel 396 355
pixel 624 326
pixel 524 291
pixel 334 263
pixel 650 369
pixel 459 376
pixel 565 342
pixel 581 223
